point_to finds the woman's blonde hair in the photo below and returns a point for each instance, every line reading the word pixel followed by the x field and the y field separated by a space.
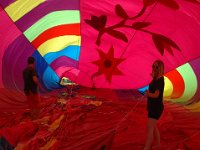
pixel 160 67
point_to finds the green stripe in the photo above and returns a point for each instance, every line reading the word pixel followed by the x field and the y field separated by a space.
pixel 51 20
pixel 190 81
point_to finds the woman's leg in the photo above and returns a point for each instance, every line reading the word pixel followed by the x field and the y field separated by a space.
pixel 150 133
pixel 157 137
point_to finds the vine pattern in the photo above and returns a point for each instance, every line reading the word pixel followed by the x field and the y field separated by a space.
pixel 160 41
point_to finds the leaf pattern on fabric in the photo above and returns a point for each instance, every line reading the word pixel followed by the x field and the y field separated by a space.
pixel 120 12
pixel 118 35
pixel 161 42
pixel 140 25
pixel 97 22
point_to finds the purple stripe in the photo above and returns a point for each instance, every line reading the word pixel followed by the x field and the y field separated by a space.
pixel 5 3
pixel 196 67
pixel 14 61
pixel 63 61
pixel 51 5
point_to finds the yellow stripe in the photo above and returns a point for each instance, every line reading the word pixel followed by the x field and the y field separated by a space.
pixel 56 123
pixel 168 88
pixel 21 7
pixel 59 43
pixel 49 144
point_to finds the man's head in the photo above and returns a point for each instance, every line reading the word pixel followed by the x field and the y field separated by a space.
pixel 31 60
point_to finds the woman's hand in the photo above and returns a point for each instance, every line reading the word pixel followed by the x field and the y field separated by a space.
pixel 152 95
pixel 146 93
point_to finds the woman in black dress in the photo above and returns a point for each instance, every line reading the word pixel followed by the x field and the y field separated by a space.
pixel 155 103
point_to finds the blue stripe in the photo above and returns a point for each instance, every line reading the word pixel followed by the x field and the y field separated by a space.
pixel 72 52
pixel 51 79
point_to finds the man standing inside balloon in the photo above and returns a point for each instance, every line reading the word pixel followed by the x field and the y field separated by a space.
pixel 31 84
pixel 154 103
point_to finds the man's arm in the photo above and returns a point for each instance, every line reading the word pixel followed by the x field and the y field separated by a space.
pixel 35 79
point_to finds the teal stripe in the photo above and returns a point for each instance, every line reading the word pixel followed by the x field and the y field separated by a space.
pixel 51 20
pixel 51 79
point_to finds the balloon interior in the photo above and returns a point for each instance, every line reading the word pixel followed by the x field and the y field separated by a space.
pixel 94 60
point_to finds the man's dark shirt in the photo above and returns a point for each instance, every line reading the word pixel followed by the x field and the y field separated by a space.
pixel 29 84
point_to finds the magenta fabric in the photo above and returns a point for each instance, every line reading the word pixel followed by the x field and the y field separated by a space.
pixel 8 33
pixel 46 8
pixel 139 32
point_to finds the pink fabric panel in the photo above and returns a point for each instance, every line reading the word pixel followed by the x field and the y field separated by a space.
pixel 8 33
pixel 62 71
pixel 179 25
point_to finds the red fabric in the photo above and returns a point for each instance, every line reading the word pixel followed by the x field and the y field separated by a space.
pixel 118 123
pixel 66 29
pixel 19 133
pixel 178 83
pixel 33 101
pixel 12 100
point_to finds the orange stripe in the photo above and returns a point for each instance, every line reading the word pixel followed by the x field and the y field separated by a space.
pixel 67 29
pixel 178 83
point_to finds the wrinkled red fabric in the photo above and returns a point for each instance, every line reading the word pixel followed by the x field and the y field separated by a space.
pixel 118 123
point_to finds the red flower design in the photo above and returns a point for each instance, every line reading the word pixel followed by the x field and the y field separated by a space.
pixel 107 65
